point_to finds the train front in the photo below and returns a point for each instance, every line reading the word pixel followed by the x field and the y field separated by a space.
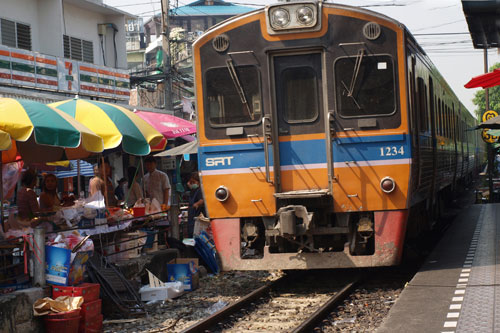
pixel 304 146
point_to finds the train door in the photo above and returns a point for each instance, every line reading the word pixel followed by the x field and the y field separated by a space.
pixel 300 157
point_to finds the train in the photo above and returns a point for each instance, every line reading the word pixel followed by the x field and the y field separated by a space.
pixel 326 136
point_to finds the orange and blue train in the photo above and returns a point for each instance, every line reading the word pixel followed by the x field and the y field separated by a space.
pixel 326 136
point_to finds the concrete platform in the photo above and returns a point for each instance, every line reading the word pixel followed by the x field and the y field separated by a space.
pixel 457 289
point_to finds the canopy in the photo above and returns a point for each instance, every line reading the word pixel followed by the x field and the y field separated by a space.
pixel 484 81
pixel 187 148
pixel 492 123
pixel 168 125
pixel 42 133
pixel 115 124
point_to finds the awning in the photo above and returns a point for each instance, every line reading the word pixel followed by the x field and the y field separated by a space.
pixel 492 123
pixel 86 169
pixel 483 19
pixel 484 81
pixel 187 148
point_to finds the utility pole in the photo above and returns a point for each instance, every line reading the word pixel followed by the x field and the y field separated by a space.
pixel 167 70
pixel 491 156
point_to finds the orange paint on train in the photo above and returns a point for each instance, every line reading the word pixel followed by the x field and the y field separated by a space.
pixel 358 188
pixel 243 188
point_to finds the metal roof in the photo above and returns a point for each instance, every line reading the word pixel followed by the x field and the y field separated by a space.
pixel 483 19
pixel 219 7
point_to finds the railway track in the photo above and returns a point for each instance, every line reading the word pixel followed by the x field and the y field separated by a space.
pixel 289 304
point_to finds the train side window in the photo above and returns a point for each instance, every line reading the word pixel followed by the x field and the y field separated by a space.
pixel 223 103
pixel 365 86
pixel 440 118
pixel 422 104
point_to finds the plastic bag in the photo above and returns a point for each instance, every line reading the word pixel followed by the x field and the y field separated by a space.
pixel 96 204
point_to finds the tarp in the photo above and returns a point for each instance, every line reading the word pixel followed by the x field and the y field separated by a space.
pixel 187 148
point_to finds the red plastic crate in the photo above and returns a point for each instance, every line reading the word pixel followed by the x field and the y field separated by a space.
pixel 91 309
pixel 89 291
pixel 89 325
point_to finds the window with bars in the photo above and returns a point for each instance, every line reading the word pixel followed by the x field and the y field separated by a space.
pixel 78 49
pixel 15 34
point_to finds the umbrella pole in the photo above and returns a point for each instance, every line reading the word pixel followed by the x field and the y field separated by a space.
pixel 78 185
pixel 143 182
pixel 103 170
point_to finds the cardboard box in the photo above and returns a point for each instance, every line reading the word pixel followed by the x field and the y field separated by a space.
pixel 57 265
pixel 168 291
pixel 184 270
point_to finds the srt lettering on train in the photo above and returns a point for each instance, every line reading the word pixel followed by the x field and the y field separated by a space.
pixel 216 161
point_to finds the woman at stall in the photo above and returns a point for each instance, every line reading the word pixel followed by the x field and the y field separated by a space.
pixel 27 203
pixel 103 174
pixel 49 198
pixel 134 189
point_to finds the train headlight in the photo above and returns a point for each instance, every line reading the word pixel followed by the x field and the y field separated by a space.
pixel 387 184
pixel 305 15
pixel 222 193
pixel 280 18
pixel 293 17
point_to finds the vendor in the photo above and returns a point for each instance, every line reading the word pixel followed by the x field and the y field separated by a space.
pixel 27 203
pixel 196 203
pixel 102 173
pixel 134 189
pixel 156 183
pixel 49 199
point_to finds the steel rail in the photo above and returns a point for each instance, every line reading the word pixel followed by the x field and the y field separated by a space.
pixel 220 315
pixel 310 323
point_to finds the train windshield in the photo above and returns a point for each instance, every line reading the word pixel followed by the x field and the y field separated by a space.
pixel 233 95
pixel 365 85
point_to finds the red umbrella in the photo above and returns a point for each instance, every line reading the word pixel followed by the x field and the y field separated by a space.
pixel 168 125
pixel 484 81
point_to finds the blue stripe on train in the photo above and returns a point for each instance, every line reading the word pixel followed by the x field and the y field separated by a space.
pixel 306 152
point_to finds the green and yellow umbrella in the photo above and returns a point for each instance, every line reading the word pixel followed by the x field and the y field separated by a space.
pixel 115 124
pixel 41 133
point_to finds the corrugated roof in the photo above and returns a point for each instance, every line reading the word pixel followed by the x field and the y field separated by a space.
pixel 199 8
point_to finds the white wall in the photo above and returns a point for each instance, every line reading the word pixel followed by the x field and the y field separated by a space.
pixel 48 25
pixel 82 23
pixel 51 27
pixel 23 11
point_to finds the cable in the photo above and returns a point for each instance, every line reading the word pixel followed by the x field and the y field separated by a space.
pixel 114 44
pixel 101 37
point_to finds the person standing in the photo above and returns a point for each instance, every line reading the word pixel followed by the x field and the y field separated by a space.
pixel 49 198
pixel 103 174
pixel 156 183
pixel 157 186
pixel 196 203
pixel 27 202
pixel 134 189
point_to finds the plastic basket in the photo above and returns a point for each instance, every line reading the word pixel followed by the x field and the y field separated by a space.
pixel 65 315
pixel 68 325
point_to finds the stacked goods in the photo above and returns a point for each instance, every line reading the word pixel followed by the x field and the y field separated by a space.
pixel 90 314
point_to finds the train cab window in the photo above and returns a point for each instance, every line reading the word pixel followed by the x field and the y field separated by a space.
pixel 303 82
pixel 233 99
pixel 365 85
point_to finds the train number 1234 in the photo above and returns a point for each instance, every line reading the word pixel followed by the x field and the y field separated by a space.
pixel 392 151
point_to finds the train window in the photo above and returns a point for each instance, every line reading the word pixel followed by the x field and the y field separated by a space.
pixel 299 81
pixel 365 85
pixel 225 99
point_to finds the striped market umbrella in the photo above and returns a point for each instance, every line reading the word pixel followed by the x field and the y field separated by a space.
pixel 40 133
pixel 115 124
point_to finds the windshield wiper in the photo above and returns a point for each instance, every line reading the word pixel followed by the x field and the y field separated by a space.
pixel 355 72
pixel 239 87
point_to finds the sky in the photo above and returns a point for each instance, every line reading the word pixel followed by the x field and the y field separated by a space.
pixel 453 55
